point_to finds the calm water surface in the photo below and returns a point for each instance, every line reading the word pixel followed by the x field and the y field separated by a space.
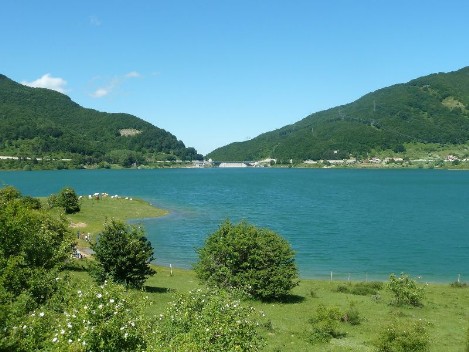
pixel 356 223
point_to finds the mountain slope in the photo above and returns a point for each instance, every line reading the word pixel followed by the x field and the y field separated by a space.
pixel 430 109
pixel 36 122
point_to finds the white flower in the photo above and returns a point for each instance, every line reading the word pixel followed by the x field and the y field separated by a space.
pixel 111 300
pixel 55 339
pixel 100 306
pixel 99 295
pixel 41 314
pixel 70 341
pixel 69 325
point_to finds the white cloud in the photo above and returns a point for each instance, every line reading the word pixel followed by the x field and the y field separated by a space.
pixel 47 81
pixel 133 74
pixel 101 92
pixel 116 82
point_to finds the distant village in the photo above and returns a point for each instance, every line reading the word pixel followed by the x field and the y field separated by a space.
pixel 329 163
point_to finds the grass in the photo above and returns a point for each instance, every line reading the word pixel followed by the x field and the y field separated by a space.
pixel 286 325
pixel 94 213
pixel 446 310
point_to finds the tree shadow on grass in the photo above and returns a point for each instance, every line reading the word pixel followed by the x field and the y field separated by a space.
pixel 288 299
pixel 153 289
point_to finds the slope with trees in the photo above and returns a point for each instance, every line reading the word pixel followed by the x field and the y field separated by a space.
pixel 430 109
pixel 41 123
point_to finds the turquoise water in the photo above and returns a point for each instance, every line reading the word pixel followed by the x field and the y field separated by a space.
pixel 362 224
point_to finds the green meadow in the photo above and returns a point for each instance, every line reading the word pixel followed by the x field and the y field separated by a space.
pixel 286 325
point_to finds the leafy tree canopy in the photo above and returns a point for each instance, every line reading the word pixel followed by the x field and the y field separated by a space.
pixel 123 255
pixel 256 261
pixel 41 123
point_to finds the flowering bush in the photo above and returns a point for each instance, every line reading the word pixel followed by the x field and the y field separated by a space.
pixel 208 321
pixel 96 319
pixel 101 318
pixel 405 290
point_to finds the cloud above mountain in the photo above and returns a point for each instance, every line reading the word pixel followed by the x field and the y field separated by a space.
pixel 48 81
pixel 107 89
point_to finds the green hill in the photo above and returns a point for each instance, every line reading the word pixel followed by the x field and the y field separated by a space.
pixel 41 123
pixel 430 109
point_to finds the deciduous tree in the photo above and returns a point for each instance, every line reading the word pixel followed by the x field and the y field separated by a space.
pixel 123 255
pixel 254 260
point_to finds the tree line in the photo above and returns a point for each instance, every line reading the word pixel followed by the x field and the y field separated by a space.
pixel 40 123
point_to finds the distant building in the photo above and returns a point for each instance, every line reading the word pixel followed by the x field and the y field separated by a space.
pixel 233 165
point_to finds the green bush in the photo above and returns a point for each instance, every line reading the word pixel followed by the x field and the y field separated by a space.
pixel 92 319
pixel 325 324
pixel 352 315
pixel 33 248
pixel 8 193
pixel 404 336
pixel 405 290
pixel 458 284
pixel 209 322
pixel 68 199
pixel 255 261
pixel 361 288
pixel 123 255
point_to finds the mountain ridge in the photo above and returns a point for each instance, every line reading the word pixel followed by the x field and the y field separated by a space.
pixel 428 109
pixel 39 122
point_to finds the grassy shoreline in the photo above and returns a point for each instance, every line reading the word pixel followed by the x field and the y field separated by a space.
pixel 286 325
pixel 95 212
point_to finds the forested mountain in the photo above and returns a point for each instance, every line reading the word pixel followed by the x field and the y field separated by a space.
pixel 38 123
pixel 430 109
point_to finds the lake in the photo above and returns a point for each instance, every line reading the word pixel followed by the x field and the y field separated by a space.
pixel 357 224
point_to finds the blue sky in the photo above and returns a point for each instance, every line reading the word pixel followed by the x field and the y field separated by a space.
pixel 216 72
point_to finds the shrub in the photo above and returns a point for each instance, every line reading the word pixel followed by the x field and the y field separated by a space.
pixel 458 284
pixel 361 288
pixel 405 290
pixel 325 324
pixel 68 199
pixel 94 319
pixel 367 288
pixel 8 193
pixel 33 248
pixel 209 322
pixel 403 336
pixel 352 315
pixel 123 255
pixel 252 260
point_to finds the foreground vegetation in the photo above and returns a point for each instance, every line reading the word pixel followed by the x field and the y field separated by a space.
pixel 50 302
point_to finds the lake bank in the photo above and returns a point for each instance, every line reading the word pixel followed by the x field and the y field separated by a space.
pixel 349 221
